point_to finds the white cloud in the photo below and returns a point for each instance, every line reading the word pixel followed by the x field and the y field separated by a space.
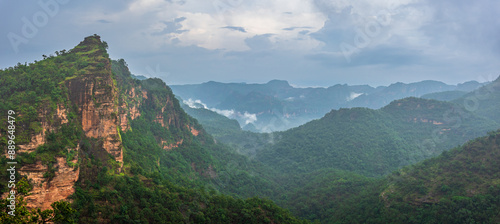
pixel 203 26
pixel 353 96
pixel 249 118
pixel 246 118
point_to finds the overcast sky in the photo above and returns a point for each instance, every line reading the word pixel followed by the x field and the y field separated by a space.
pixel 307 42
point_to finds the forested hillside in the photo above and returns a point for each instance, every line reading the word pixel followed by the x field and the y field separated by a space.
pixel 229 132
pixel 445 96
pixel 375 142
pixel 323 165
pixel 100 146
pixel 461 185
pixel 484 101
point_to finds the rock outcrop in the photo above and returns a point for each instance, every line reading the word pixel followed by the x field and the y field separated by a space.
pixel 129 108
pixel 58 118
pixel 45 192
pixel 93 103
pixel 96 96
pixel 94 93
pixel 48 190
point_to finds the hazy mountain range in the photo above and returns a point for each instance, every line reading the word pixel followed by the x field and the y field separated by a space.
pixel 276 105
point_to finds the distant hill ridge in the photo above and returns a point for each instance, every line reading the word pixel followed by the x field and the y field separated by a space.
pixel 279 106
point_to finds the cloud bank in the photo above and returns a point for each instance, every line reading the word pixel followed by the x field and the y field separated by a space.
pixel 244 118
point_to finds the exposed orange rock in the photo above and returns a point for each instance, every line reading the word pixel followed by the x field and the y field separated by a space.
pixel 426 121
pixel 129 111
pixel 132 92
pixel 61 113
pixel 170 146
pixel 193 131
pixel 46 192
pixel 159 119
pixel 95 95
pixel 144 94
pixel 123 120
pixel 134 113
pixel 38 139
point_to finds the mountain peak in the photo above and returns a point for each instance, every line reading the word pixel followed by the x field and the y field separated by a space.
pixel 278 83
pixel 92 39
pixel 92 45
pixel 497 80
pixel 413 103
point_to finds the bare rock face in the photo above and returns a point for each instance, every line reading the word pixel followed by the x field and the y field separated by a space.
pixel 38 139
pixel 165 145
pixel 131 110
pixel 60 187
pixel 193 131
pixel 165 117
pixel 45 192
pixel 95 95
pixel 93 90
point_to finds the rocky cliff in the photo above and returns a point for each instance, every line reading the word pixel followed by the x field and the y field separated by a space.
pixel 90 93
pixel 95 95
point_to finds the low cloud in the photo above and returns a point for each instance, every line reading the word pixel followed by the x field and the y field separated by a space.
pixel 249 118
pixel 353 96
pixel 243 118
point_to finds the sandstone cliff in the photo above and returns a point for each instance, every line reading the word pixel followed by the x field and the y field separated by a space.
pixel 92 93
pixel 95 104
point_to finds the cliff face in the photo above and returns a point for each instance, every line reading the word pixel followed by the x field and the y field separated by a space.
pixel 97 102
pixel 73 111
pixel 49 122
pixel 95 96
pixel 92 96
pixel 45 192
pixel 130 110
pixel 153 101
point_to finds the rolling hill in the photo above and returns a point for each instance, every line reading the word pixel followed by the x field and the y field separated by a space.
pixel 461 185
pixel 483 101
pixel 375 142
